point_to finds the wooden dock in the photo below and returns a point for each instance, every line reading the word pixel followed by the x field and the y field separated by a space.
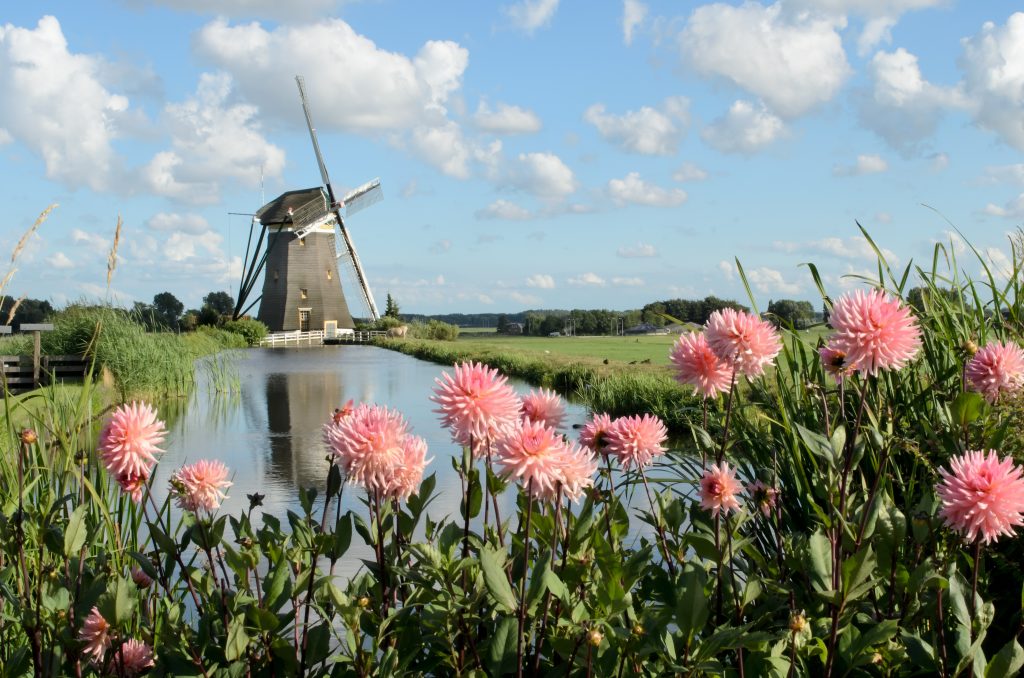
pixel 318 338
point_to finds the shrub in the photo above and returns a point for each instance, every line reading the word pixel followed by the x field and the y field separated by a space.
pixel 250 328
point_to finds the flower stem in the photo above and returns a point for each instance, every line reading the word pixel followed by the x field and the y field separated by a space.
pixel 522 581
pixel 661 529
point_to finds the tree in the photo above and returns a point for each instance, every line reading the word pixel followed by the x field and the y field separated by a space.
pixel 787 312
pixel 921 297
pixel 502 326
pixel 221 302
pixel 28 311
pixel 167 310
pixel 391 308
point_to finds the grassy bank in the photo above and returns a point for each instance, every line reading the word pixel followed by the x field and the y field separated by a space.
pixel 630 383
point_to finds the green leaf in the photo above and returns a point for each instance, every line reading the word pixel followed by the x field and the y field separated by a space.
pixel 691 600
pixel 820 552
pixel 238 639
pixel 342 536
pixel 277 590
pixel 819 445
pixel 1007 662
pixel 501 653
pixel 76 532
pixel 125 600
pixel 492 563
pixel 555 585
pixel 967 407
pixel 333 481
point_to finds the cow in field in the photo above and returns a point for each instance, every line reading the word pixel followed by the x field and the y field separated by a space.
pixel 398 332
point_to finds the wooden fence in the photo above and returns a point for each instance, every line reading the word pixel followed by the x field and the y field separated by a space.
pixel 18 371
pixel 317 337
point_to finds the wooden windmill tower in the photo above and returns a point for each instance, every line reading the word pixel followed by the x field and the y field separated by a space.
pixel 306 239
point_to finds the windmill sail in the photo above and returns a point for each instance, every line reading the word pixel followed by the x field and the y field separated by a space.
pixel 336 207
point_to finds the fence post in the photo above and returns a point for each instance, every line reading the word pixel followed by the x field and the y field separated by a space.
pixel 36 329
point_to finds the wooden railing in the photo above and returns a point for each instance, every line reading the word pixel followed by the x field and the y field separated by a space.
pixel 18 371
pixel 297 338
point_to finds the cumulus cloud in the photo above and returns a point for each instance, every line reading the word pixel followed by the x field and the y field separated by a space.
pixel 1005 174
pixel 639 251
pixel 771 281
pixel 648 131
pixel 634 190
pixel 633 14
pixel 850 248
pixel 902 107
pixel 727 268
pixel 251 8
pixel 443 147
pixel 793 61
pixel 60 261
pixel 211 141
pixel 1012 210
pixel 866 164
pixel 541 280
pixel 938 161
pixel 441 246
pixel 744 129
pixel 506 119
pixel 529 15
pixel 366 88
pixel 56 105
pixel 503 209
pixel 5 137
pixel 193 224
pixel 543 175
pixel 587 280
pixel 689 172
pixel 993 65
pixel 96 244
pixel 627 282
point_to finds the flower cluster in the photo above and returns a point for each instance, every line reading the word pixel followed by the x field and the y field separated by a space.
pixel 128 446
pixel 718 489
pixel 477 405
pixel 374 448
pixel 698 366
pixel 996 369
pixel 544 406
pixel 982 497
pixel 742 341
pixel 200 486
pixel 544 462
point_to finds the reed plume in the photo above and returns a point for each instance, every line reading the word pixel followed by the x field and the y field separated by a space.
pixel 17 250
pixel 112 258
pixel 14 309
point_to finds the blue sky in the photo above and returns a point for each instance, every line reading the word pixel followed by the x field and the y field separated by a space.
pixel 534 154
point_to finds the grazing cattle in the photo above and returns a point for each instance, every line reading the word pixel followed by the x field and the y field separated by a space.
pixel 398 332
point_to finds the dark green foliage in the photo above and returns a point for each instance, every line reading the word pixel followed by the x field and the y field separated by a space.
pixel 27 311
pixel 790 313
pixel 391 308
pixel 221 302
pixel 250 328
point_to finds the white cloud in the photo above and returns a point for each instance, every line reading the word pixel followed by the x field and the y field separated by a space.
pixel 689 172
pixel 639 251
pixel 60 261
pixel 1009 174
pixel 1012 210
pixel 628 282
pixel 792 61
pixel 854 247
pixel 543 175
pixel 880 16
pixel 91 241
pixel 5 137
pixel 212 141
pixel 883 218
pixel 525 299
pixel 938 161
pixel 633 14
pixel 503 209
pixel 366 88
pixel 727 268
pixel 993 64
pixel 506 119
pixel 192 224
pixel 634 190
pixel 902 107
pixel 443 147
pixel 649 131
pixel 441 246
pixel 771 281
pixel 744 129
pixel 541 280
pixel 587 280
pixel 866 164
pixel 529 15
pixel 56 105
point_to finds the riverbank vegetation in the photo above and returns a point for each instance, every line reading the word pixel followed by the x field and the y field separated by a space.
pixel 850 506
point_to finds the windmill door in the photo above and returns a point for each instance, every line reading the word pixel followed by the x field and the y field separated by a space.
pixel 304 319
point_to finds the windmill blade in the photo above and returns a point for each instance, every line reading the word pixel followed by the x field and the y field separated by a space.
pixel 362 197
pixel 312 135
pixel 349 252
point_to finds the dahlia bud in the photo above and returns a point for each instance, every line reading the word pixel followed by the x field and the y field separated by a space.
pixel 797 622
pixel 363 602
pixel 28 436
pixel 969 347
pixel 638 629
pixel 876 658
pixel 595 637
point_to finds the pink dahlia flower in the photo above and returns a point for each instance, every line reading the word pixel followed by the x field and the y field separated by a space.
pixel 134 659
pixel 128 443
pixel 141 579
pixel 982 497
pixel 874 330
pixel 200 486
pixel 533 452
pixel 95 635
pixel 742 340
pixel 997 368
pixel 698 366
pixel 369 445
pixel 637 440
pixel 718 489
pixel 595 433
pixel 764 497
pixel 407 476
pixel 133 484
pixel 579 464
pixel 477 405
pixel 835 363
pixel 544 406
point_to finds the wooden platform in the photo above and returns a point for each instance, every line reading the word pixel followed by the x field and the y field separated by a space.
pixel 18 371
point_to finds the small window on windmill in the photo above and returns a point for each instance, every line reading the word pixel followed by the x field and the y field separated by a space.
pixel 302 242
pixel 303 293
pixel 276 275
pixel 329 276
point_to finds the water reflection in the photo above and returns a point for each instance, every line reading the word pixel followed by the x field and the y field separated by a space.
pixel 269 434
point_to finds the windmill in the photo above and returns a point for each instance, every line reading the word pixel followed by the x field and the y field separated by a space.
pixel 300 262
